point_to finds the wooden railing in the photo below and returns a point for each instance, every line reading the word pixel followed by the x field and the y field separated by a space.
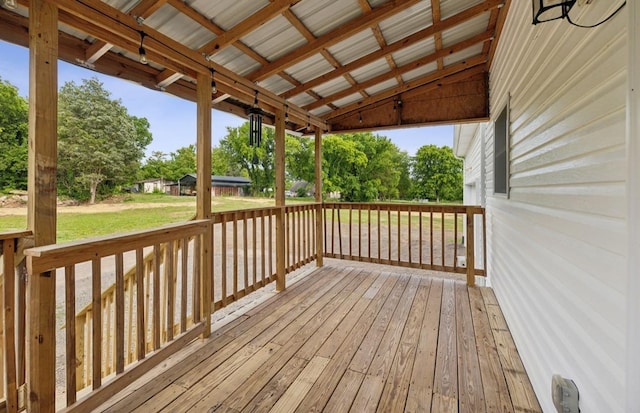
pixel 143 317
pixel 244 257
pixel 300 230
pixel 434 237
pixel 12 319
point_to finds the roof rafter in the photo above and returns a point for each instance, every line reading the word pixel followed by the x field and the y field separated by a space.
pixel 103 21
pixel 433 77
pixel 398 45
pixel 275 8
pixel 146 8
pixel 365 21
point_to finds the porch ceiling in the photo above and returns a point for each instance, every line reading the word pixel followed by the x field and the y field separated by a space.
pixel 338 65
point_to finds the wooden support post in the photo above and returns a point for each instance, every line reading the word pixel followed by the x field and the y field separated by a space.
pixel 280 202
pixel 203 188
pixel 41 216
pixel 319 233
pixel 471 274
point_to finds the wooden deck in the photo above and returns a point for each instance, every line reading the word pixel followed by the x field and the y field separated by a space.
pixel 349 339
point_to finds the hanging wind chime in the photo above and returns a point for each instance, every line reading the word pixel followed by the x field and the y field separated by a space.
pixel 255 124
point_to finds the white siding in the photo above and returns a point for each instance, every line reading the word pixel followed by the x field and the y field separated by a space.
pixel 557 245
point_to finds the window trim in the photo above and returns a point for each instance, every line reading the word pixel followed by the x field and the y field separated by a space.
pixel 505 112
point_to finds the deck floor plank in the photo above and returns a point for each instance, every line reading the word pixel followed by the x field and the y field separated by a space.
pixel 396 388
pixel 348 338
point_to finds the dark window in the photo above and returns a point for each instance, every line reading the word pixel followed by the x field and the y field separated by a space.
pixel 501 154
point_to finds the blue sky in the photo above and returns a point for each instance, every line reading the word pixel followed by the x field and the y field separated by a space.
pixel 173 120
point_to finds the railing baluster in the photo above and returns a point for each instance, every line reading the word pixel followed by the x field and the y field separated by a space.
pixel 195 290
pixel 420 236
pixel 263 248
pixel 369 232
pixel 379 236
pixel 119 313
pixel 156 296
pixel 140 304
pixel 271 244
pixel 184 259
pixel 409 231
pixel 235 255
pixel 223 259
pixel 455 241
pixel 399 236
pixel 170 303
pixel 340 231
pixel 389 232
pixel 442 237
pixel 359 232
pixel 8 334
pixel 97 324
pixel 350 227
pixel 245 249
pixel 255 250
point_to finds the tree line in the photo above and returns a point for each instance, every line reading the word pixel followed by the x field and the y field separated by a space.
pixel 101 151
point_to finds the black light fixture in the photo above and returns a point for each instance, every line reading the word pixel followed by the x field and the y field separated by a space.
pixel 141 51
pixel 549 10
pixel 214 87
pixel 255 123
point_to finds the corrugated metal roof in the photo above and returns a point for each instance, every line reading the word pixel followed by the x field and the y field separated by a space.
pixel 235 60
pixel 322 16
pixel 348 100
pixel 179 27
pixel 310 68
pixel 274 39
pixel 450 7
pixel 354 47
pixel 457 34
pixel 407 22
pixel 419 72
pixel 228 13
pixel 278 53
pixel 415 51
pixel 373 69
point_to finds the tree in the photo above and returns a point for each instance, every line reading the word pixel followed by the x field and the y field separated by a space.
pixel 156 166
pixel 14 118
pixel 437 174
pixel 300 158
pixel 98 141
pixel 362 166
pixel 181 162
pixel 255 162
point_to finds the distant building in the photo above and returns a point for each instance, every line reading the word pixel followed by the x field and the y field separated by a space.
pixel 220 185
pixel 154 185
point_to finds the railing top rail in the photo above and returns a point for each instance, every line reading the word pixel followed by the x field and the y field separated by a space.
pixel 473 209
pixel 14 234
pixel 50 257
pixel 229 215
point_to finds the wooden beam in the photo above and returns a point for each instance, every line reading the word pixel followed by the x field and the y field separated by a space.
pixel 343 32
pixel 203 194
pixel 249 24
pixel 146 8
pixel 400 70
pixel 499 26
pixel 437 37
pixel 431 78
pixel 398 45
pixel 96 51
pixel 318 196
pixel 41 210
pixel 280 201
pixel 112 25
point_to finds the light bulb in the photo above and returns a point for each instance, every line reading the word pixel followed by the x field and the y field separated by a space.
pixel 143 56
pixel 214 88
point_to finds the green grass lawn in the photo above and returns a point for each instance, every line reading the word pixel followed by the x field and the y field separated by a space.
pixel 79 225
